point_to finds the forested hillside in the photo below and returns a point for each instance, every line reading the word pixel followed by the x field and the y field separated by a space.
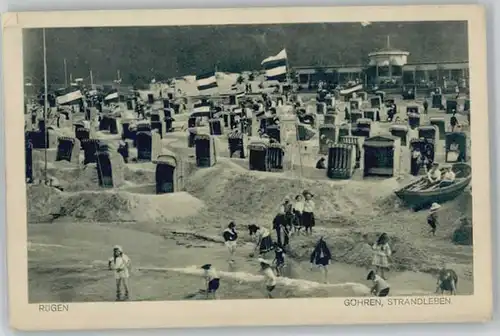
pixel 163 52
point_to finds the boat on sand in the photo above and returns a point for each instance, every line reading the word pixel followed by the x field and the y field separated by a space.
pixel 418 194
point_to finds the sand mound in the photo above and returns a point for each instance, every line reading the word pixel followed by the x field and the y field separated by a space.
pixel 350 247
pixel 232 190
pixel 116 205
pixel 140 173
pixel 40 201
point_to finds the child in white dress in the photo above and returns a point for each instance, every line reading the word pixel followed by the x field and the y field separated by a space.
pixel 120 264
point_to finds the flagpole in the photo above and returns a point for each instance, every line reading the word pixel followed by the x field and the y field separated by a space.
pixel 296 126
pixel 287 70
pixel 297 142
pixel 91 80
pixel 45 103
pixel 65 73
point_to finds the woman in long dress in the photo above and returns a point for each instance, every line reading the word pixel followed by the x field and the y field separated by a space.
pixel 287 209
pixel 381 254
pixel 308 219
pixel 279 225
pixel 298 210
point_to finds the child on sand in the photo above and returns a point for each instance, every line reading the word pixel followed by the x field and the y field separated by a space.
pixel 432 218
pixel 120 263
pixel 212 280
pixel 321 257
pixel 381 254
pixel 380 286
pixel 447 281
pixel 230 238
pixel 264 241
pixel 279 259
pixel 266 269
pixel 287 208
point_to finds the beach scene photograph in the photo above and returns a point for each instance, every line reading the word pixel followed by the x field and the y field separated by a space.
pixel 248 161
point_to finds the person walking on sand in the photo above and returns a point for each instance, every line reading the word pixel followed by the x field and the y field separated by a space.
pixel 381 254
pixel 269 276
pixel 321 257
pixel 426 106
pixel 120 263
pixel 230 240
pixel 453 121
pixel 298 210
pixel 264 241
pixel 308 214
pixel 380 286
pixel 212 281
pixel 432 218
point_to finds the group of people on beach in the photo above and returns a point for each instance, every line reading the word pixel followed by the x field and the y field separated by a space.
pixel 320 257
pixel 296 217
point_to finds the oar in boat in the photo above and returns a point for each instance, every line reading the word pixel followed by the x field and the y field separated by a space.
pixel 421 185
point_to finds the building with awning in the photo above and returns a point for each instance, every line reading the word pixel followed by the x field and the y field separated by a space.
pixel 387 65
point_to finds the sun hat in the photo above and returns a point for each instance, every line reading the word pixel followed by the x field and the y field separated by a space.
pixel 307 192
pixel 435 206
pixel 118 247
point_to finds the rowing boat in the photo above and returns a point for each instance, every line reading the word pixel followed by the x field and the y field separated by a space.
pixel 417 196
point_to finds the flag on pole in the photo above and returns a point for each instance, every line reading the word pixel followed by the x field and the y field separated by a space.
pixel 201 106
pixel 69 96
pixel 207 83
pixel 235 90
pixel 351 89
pixel 276 66
pixel 111 96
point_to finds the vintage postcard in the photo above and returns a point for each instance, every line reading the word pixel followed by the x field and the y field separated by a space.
pixel 247 167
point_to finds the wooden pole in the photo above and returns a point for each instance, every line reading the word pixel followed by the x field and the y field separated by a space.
pixel 65 73
pixel 45 103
